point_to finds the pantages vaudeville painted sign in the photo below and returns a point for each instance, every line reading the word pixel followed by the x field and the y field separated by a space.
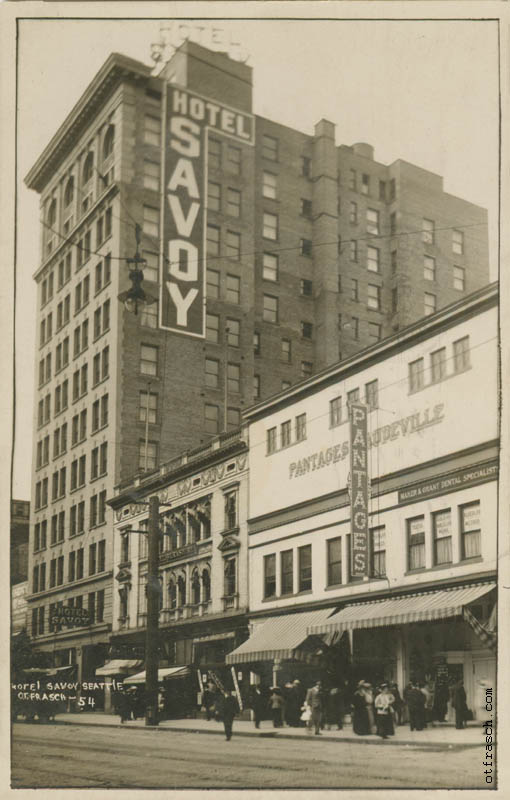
pixel 358 414
pixel 188 120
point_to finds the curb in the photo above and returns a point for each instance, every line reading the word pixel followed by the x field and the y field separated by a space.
pixel 440 746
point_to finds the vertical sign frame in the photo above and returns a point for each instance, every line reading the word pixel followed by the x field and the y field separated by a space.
pixel 358 429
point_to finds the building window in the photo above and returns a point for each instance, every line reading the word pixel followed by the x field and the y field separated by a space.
pixel 300 427
pixel 256 387
pixel 459 278
pixel 287 571
pixel 213 196
pixel 306 288
pixel 269 267
pixel 269 185
pixel 233 331
pixel 306 369
pixel 442 533
pixel 352 180
pixel 211 418
pixel 212 328
pixel 378 552
pixel 230 507
pixel 148 360
pixel 151 171
pixel 233 245
pixel 306 167
pixel 416 543
pixel 373 264
pixel 148 407
pixel 335 412
pixel 334 555
pixel 373 297
pixel 269 148
pixel 372 221
pixel 212 368
pixel 305 246
pixel 372 394
pixel 233 203
pixel 213 240
pixel 233 289
pixel 151 221
pixel 307 330
pixel 353 250
pixel 305 568
pixel 233 418
pixel 416 375
pixel 214 153
pixel 354 290
pixel 458 242
pixel 428 232
pixel 470 530
pixel 374 331
pixel 270 226
pixel 429 301
pixel 270 308
pixel 213 284
pixel 149 316
pixel 285 433
pixel 229 573
pixel 438 365
pixel 270 576
pixel 152 130
pixel 353 396
pixel 271 441
pixel 306 208
pixel 233 378
pixel 393 223
pixel 365 184
pixel 256 343
pixel 461 360
pixel 147 456
pixel 286 351
pixel 429 268
pixel 150 268
pixel 353 212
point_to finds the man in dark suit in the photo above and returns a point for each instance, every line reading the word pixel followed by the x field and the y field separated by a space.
pixel 315 701
pixel 228 708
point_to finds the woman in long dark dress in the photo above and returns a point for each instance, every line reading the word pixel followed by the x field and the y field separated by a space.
pixel 360 721
pixel 384 712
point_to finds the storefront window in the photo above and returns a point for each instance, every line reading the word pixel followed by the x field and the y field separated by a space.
pixel 442 532
pixel 470 530
pixel 270 575
pixel 305 568
pixel 416 543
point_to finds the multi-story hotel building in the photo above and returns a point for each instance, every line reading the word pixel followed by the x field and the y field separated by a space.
pixel 423 609
pixel 273 253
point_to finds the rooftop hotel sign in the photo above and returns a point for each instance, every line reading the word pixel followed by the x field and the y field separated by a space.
pixel 188 120
pixel 358 414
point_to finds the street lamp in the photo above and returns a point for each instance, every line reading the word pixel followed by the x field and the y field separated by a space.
pixel 135 297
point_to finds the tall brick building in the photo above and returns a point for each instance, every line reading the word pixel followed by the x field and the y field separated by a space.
pixel 306 252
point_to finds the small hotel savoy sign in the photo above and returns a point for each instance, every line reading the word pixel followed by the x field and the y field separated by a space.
pixel 189 117
pixel 358 414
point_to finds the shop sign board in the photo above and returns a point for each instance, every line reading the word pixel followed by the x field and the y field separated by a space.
pixel 188 119
pixel 358 416
pixel 470 476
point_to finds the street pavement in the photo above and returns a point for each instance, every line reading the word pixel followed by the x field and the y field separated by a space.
pixel 99 756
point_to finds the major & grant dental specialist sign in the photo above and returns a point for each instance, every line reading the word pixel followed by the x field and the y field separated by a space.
pixel 358 414
pixel 188 120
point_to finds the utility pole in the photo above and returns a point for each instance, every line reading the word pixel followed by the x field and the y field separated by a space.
pixel 151 641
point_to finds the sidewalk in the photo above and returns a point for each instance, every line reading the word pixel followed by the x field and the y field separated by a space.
pixel 441 736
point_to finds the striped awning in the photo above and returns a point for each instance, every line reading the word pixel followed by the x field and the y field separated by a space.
pixel 278 637
pixel 214 637
pixel 119 666
pixel 423 607
pixel 164 673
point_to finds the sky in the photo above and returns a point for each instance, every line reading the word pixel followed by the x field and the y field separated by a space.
pixel 422 91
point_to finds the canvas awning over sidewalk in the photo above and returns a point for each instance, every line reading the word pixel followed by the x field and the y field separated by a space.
pixel 163 674
pixel 278 637
pixel 118 666
pixel 423 607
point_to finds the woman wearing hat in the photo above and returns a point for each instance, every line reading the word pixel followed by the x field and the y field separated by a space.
pixel 360 719
pixel 384 712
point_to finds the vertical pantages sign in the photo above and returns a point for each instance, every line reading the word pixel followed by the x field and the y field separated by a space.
pixel 188 118
pixel 358 417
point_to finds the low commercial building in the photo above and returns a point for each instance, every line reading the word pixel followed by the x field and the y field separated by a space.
pixel 425 607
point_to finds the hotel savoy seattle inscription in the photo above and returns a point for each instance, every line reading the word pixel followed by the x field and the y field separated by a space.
pixel 358 414
pixel 189 117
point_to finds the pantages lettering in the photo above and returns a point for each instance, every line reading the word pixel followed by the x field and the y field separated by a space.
pixel 189 117
pixel 358 415
pixel 387 433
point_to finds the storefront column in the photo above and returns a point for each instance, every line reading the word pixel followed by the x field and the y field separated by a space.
pixel 276 670
pixel 400 654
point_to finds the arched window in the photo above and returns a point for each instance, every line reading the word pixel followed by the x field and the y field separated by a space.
pixel 88 167
pixel 230 576
pixel 172 593
pixel 69 193
pixel 52 213
pixel 206 585
pixel 108 141
pixel 195 588
pixel 181 590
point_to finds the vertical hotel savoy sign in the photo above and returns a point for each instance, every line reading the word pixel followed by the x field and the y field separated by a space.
pixel 359 489
pixel 188 120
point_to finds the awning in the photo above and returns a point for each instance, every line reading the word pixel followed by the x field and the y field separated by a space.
pixel 119 666
pixel 486 633
pixel 163 674
pixel 214 637
pixel 278 637
pixel 423 607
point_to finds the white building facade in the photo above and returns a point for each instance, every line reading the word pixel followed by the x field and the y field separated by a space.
pixel 433 464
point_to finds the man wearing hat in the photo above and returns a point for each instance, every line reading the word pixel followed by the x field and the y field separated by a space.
pixel 315 701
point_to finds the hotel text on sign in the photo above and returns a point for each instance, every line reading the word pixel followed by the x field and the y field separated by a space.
pixel 188 120
pixel 359 489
